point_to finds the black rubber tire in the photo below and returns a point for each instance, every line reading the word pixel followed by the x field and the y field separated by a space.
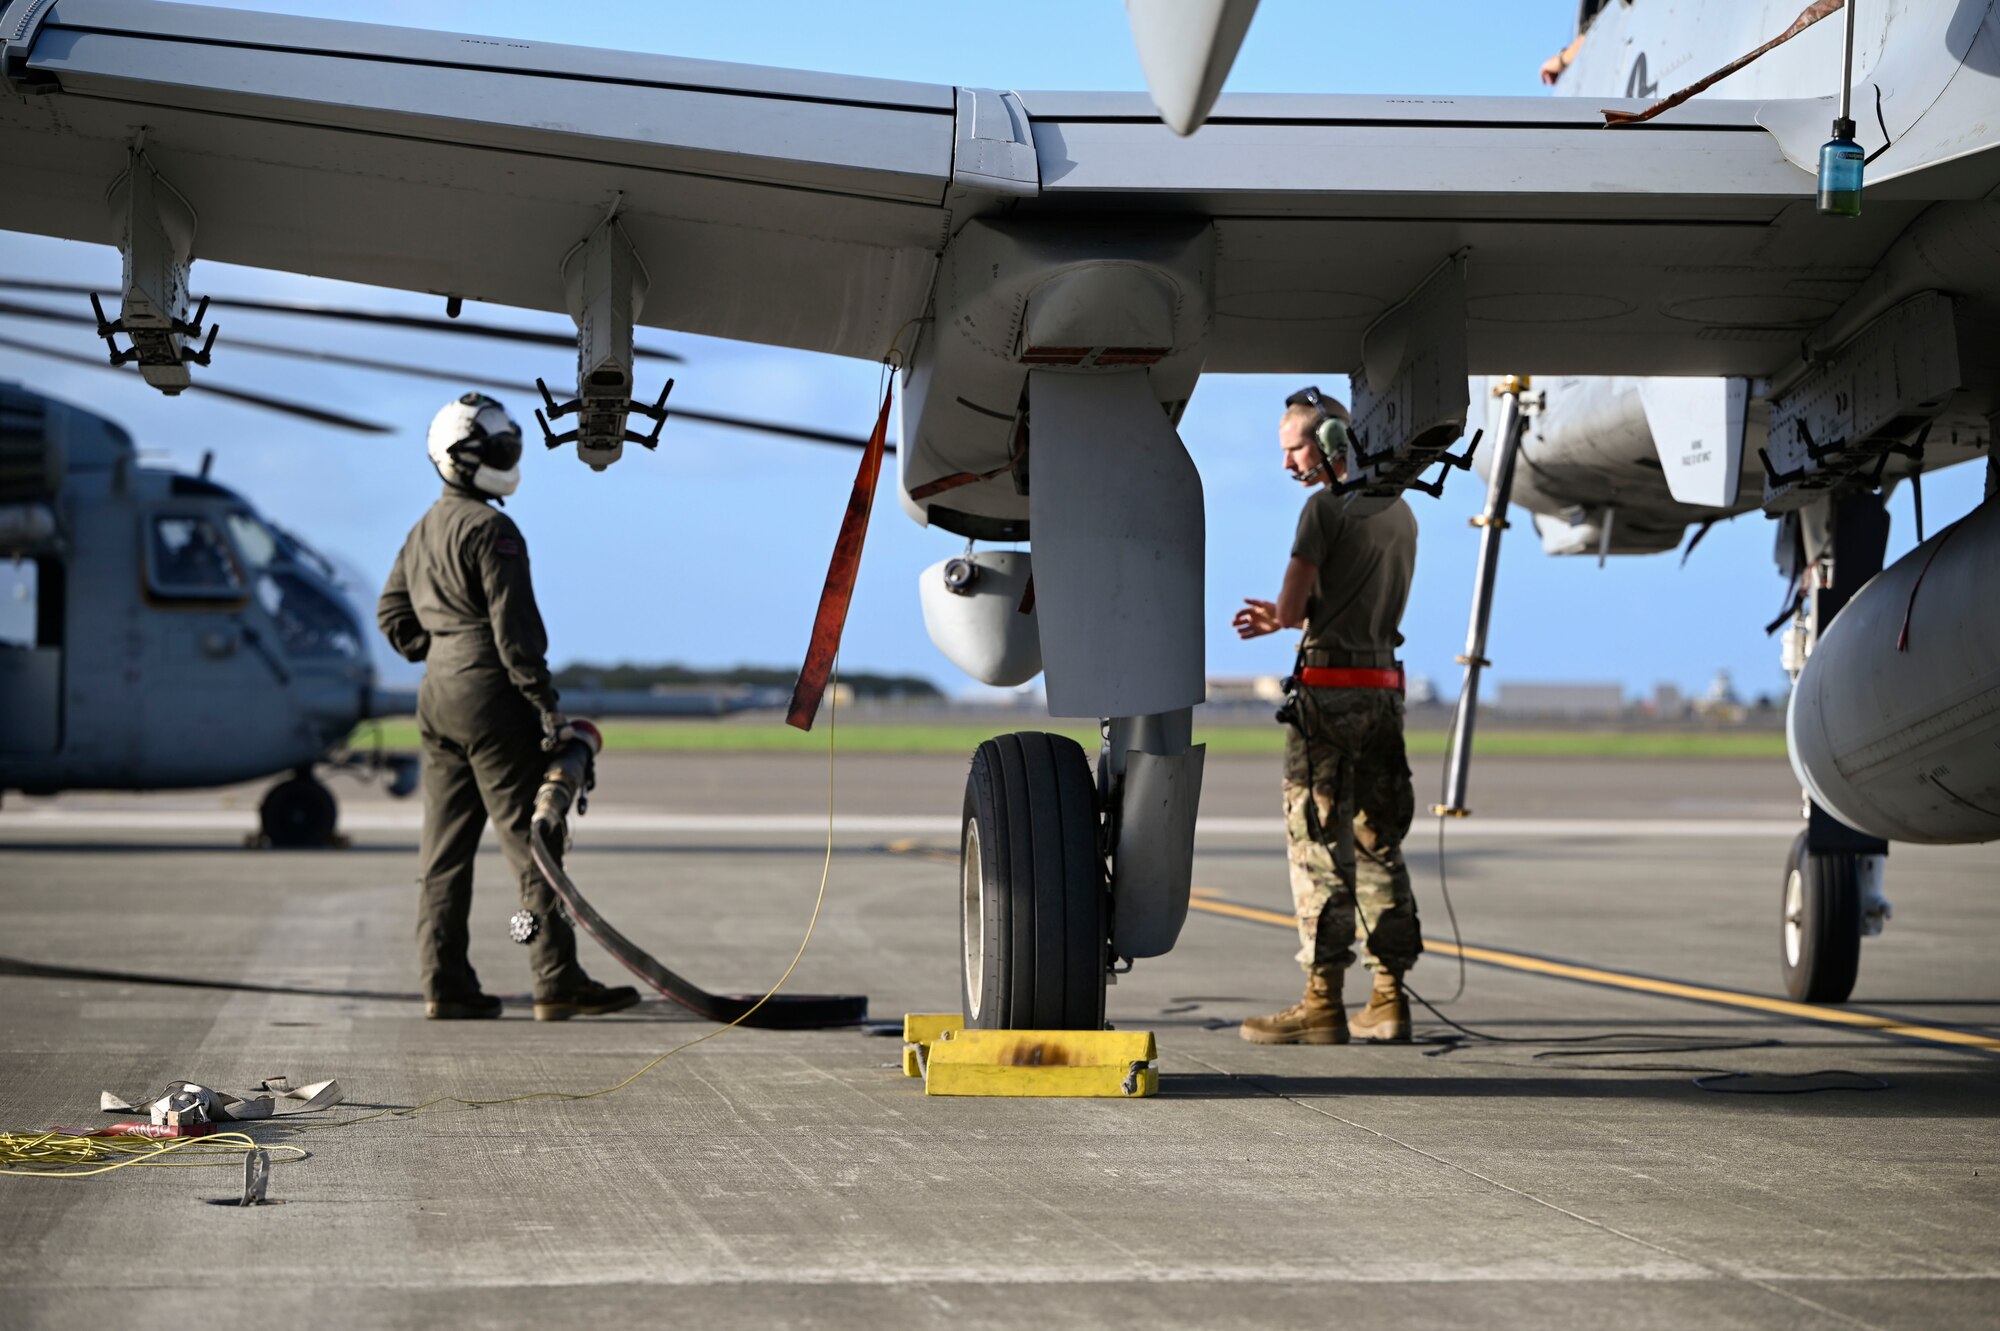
pixel 1820 949
pixel 298 814
pixel 1033 906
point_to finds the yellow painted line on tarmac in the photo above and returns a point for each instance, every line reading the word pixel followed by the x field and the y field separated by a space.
pixel 1564 970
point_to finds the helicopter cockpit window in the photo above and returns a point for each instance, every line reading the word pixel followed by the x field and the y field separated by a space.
pixel 20 588
pixel 257 542
pixel 310 622
pixel 188 558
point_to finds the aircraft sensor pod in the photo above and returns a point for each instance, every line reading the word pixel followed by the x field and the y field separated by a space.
pixel 979 613
pixel 154 225
pixel 604 284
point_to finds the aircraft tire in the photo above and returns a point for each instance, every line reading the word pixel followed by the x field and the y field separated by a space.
pixel 298 813
pixel 1820 925
pixel 1033 915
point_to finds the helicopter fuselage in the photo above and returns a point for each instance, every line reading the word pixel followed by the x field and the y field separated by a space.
pixel 158 632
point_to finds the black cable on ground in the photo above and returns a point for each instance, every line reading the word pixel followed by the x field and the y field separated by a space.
pixel 1444 886
pixel 1711 1079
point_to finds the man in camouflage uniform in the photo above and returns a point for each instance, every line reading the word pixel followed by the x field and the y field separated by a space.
pixel 461 600
pixel 1348 799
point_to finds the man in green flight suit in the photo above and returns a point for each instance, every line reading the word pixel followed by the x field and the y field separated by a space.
pixel 460 600
pixel 1348 799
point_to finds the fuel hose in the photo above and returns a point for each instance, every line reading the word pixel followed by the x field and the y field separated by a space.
pixel 777 1012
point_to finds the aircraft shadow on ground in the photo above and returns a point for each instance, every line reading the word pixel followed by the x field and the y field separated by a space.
pixel 37 970
pixel 123 848
pixel 812 850
pixel 1966 1092
pixel 648 1010
pixel 1414 852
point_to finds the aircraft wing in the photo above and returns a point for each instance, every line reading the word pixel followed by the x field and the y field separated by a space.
pixel 795 209
pixel 808 210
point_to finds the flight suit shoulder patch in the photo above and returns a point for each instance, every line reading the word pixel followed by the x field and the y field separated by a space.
pixel 510 546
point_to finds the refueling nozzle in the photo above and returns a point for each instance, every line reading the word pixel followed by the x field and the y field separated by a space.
pixel 567 782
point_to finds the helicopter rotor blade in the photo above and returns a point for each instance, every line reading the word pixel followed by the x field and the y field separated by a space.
pixel 805 433
pixel 407 370
pixel 317 415
pixel 381 318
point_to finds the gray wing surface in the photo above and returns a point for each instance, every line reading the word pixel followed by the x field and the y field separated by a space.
pixel 795 209
pixel 808 210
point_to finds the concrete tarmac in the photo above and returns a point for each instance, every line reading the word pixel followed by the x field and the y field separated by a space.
pixel 798 1178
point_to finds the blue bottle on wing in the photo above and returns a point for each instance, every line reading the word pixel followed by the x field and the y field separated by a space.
pixel 1840 165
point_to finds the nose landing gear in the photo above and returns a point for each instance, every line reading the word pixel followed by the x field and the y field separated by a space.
pixel 299 813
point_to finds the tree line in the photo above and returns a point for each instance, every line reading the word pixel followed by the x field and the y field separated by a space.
pixel 627 675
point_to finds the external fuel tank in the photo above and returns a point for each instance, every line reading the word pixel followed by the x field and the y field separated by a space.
pixel 1895 723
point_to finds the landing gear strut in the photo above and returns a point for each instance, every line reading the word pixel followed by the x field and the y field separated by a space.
pixel 1033 921
pixel 1833 877
pixel 298 813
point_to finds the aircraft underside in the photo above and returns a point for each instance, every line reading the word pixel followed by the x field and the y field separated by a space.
pixel 1053 272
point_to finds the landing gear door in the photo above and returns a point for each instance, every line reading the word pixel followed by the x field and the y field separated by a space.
pixel 30 657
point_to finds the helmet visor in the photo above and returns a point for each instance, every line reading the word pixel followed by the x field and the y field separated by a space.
pixel 502 452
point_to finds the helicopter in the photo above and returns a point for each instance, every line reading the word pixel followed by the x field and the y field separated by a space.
pixel 157 632
pixel 160 633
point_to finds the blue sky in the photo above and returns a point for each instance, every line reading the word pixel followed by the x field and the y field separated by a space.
pixel 712 551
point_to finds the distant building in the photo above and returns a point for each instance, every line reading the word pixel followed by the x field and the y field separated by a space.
pixel 1245 688
pixel 1720 703
pixel 1569 701
pixel 1025 697
pixel 1668 702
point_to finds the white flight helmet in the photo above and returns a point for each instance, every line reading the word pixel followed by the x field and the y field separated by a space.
pixel 476 444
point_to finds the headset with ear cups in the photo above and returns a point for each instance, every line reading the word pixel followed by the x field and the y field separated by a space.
pixel 1331 433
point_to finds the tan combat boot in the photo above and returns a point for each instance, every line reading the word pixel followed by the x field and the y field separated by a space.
pixel 1318 1018
pixel 1387 1016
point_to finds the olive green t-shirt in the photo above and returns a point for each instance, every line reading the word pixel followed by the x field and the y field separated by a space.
pixel 1365 565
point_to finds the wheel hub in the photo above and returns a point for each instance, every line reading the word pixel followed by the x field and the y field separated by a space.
pixel 1795 916
pixel 972 910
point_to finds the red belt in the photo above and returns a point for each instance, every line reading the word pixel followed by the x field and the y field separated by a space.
pixel 1338 677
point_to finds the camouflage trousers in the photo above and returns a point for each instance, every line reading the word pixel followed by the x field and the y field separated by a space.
pixel 1348 806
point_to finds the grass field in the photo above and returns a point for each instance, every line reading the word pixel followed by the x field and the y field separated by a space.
pixel 773 736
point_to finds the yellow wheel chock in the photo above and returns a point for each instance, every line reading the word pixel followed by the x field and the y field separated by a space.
pixel 955 1061
pixel 920 1031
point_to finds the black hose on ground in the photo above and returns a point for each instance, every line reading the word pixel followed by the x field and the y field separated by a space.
pixel 778 1012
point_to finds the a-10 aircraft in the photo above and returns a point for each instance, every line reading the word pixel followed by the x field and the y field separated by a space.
pixel 1054 271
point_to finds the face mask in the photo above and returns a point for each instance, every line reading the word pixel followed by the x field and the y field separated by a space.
pixel 502 483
